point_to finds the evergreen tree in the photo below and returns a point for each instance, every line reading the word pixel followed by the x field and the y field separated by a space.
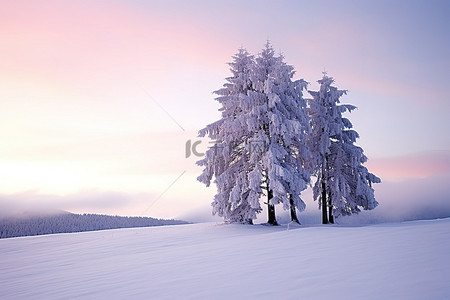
pixel 337 161
pixel 262 137
pixel 282 126
pixel 228 160
pixel 350 182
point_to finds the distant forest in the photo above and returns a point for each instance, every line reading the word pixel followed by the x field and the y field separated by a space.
pixel 68 222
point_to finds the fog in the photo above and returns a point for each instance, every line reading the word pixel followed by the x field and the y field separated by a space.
pixel 412 199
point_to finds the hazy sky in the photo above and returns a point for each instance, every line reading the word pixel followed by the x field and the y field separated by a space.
pixel 98 98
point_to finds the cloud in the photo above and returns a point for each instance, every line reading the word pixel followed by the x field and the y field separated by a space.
pixel 88 201
pixel 49 40
pixel 418 165
pixel 412 199
pixel 134 154
pixel 413 187
pixel 199 214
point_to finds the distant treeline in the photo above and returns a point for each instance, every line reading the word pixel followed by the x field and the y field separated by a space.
pixel 68 222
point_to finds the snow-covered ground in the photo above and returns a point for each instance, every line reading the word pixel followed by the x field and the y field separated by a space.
pixel 216 261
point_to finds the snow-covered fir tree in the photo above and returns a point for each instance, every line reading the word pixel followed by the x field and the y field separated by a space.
pixel 279 121
pixel 228 159
pixel 261 139
pixel 344 185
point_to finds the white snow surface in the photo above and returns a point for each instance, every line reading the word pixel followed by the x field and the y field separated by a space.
pixel 407 260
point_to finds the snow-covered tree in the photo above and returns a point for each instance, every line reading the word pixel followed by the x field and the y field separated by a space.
pixel 337 161
pixel 261 139
pixel 228 160
pixel 279 121
pixel 349 182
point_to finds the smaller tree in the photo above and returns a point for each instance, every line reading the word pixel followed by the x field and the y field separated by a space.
pixel 338 162
pixel 349 181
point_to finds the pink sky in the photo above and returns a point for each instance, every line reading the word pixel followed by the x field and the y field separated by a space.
pixel 75 117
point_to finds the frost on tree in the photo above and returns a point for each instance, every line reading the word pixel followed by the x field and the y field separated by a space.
pixel 278 120
pixel 260 139
pixel 228 160
pixel 344 185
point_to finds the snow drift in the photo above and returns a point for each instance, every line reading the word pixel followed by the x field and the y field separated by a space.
pixel 216 261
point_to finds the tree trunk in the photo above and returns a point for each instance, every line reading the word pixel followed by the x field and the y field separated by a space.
pixel 293 211
pixel 324 202
pixel 271 210
pixel 330 211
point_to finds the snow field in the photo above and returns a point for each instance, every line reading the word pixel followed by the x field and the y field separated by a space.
pixel 218 261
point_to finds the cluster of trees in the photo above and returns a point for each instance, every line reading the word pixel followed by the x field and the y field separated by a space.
pixel 68 222
pixel 271 140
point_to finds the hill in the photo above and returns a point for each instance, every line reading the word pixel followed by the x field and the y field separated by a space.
pixel 65 222
pixel 216 261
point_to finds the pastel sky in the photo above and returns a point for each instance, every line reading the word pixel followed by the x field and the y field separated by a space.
pixel 98 98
